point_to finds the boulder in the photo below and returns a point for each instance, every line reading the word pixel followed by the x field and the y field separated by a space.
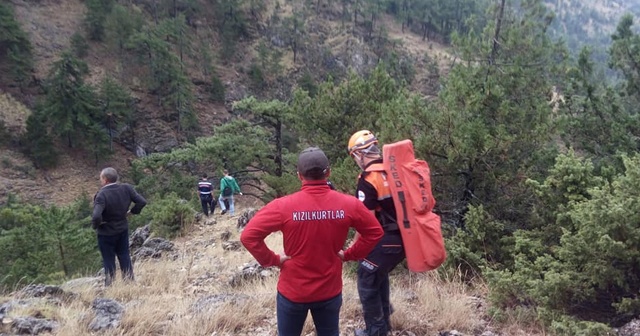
pixel 108 314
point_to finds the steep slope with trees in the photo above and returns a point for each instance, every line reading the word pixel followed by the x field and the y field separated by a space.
pixel 533 152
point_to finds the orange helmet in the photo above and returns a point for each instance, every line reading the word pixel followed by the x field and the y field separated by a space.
pixel 361 140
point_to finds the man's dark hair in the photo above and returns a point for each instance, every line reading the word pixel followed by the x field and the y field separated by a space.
pixel 204 176
pixel 110 175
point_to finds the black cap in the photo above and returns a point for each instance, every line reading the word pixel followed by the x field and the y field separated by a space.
pixel 310 159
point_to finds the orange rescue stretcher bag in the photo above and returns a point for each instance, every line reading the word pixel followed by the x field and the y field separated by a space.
pixel 410 184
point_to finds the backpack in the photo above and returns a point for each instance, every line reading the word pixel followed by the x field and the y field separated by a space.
pixel 226 192
pixel 410 184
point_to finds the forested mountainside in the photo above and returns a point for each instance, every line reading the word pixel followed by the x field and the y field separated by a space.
pixel 589 23
pixel 533 153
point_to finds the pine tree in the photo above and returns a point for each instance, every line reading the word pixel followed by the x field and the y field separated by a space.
pixel 97 12
pixel 71 105
pixel 38 143
pixel 117 107
pixel 15 44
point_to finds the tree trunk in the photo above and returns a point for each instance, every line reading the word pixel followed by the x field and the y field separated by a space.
pixel 65 269
pixel 496 35
pixel 278 158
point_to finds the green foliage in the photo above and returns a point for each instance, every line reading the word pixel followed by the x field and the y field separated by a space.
pixel 4 133
pixel 72 106
pixel 167 74
pixel 623 54
pixel 585 255
pixel 169 215
pixel 97 12
pixel 232 25
pixel 594 118
pixel 38 143
pixel 216 89
pixel 307 83
pixel 433 18
pixel 268 68
pixel 257 78
pixel 490 129
pixel 14 43
pixel 117 106
pixel 39 244
pixel 336 112
pixel 79 45
pixel 122 23
pixel 293 30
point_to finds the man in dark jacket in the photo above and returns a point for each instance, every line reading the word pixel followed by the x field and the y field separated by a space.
pixel 314 223
pixel 110 210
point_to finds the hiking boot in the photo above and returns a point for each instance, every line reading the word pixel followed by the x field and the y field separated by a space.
pixel 223 212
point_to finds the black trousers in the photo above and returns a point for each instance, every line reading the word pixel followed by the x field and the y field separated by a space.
pixel 112 247
pixel 373 283
pixel 207 203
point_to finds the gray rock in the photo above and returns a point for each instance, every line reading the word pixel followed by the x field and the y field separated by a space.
pixel 40 290
pixel 630 329
pixel 159 244
pixel 146 253
pixel 212 302
pixel 32 325
pixel 139 236
pixel 225 236
pixel 231 245
pixel 251 271
pixel 108 314
pixel 451 333
pixel 245 218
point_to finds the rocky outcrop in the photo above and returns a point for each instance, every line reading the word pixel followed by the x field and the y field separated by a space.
pixel 108 314
pixel 144 247
pixel 630 329
pixel 25 325
pixel 250 272
pixel 245 218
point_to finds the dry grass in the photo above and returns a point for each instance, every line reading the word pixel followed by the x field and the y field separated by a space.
pixel 161 301
pixel 13 113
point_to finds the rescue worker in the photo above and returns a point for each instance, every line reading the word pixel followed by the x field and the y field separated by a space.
pixel 314 223
pixel 373 271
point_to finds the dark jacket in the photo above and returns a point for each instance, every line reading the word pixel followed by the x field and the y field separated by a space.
pixel 110 207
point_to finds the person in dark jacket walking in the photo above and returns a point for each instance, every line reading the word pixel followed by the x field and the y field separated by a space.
pixel 205 191
pixel 110 210
pixel 373 271
pixel 314 223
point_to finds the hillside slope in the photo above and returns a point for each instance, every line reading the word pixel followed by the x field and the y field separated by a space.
pixel 208 286
pixel 330 49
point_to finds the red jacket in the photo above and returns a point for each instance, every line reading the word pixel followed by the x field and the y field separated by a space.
pixel 314 224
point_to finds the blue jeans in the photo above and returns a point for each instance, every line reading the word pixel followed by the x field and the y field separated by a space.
pixel 112 247
pixel 223 206
pixel 325 314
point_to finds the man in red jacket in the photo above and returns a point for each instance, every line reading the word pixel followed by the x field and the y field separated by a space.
pixel 314 222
